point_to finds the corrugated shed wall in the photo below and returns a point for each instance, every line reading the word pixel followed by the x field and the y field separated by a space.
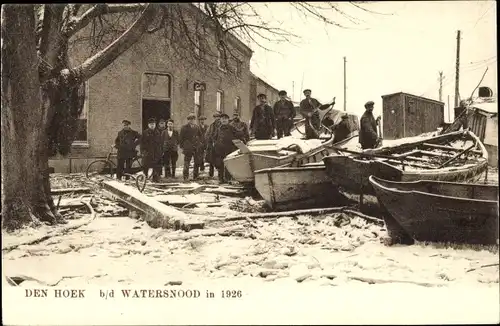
pixel 392 117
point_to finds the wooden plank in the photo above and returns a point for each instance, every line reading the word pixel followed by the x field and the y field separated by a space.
pixel 448 148
pixel 180 200
pixel 156 214
pixel 62 191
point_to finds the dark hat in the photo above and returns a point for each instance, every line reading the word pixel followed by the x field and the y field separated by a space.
pixel 236 114
pixel 162 120
pixel 191 116
pixel 126 122
pixel 345 116
pixel 202 117
pixel 170 120
pixel 307 90
pixel 262 95
pixel 216 115
pixel 224 115
pixel 369 103
pixel 281 93
pixel 150 120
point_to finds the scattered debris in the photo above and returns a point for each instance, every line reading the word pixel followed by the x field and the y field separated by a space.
pixel 156 214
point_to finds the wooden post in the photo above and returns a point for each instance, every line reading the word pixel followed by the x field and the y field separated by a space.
pixel 457 72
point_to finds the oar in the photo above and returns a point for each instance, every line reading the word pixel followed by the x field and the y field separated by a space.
pixel 457 156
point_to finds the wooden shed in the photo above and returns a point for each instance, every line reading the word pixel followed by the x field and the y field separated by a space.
pixel 407 115
pixel 482 119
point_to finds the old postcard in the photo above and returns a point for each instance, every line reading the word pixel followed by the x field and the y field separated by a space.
pixel 250 163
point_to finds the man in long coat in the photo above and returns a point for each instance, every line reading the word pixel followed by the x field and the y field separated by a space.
pixel 309 110
pixel 152 150
pixel 125 143
pixel 203 143
pixel 209 138
pixel 263 123
pixel 241 127
pixel 223 145
pixel 284 112
pixel 170 138
pixel 190 138
pixel 368 136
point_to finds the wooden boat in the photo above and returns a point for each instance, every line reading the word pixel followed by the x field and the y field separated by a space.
pixel 291 150
pixel 437 211
pixel 454 157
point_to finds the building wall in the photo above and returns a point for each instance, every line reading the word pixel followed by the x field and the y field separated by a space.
pixel 115 94
pixel 491 133
pixel 406 115
pixel 392 116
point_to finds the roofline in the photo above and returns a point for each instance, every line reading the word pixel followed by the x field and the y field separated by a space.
pixel 424 98
pixel 263 81
pixel 232 37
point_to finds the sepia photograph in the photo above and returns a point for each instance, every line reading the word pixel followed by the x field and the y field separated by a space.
pixel 250 163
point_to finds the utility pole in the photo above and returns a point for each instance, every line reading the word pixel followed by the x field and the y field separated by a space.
pixel 345 85
pixel 441 86
pixel 449 110
pixel 457 71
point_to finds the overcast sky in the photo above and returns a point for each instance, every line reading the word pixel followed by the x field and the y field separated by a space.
pixel 402 49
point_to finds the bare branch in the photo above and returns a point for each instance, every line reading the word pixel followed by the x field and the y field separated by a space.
pixel 98 10
pixel 105 57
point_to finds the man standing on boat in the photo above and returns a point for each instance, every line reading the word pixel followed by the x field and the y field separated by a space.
pixel 309 108
pixel 368 137
pixel 342 129
pixel 284 113
pixel 209 138
pixel 263 123
pixel 241 127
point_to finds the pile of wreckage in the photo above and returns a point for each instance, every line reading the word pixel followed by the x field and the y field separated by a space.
pixel 426 187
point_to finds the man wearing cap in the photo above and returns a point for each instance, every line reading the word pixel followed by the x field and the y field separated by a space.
pixel 263 123
pixel 240 127
pixel 170 149
pixel 342 129
pixel 368 137
pixel 284 113
pixel 190 139
pixel 161 126
pixel 223 145
pixel 203 143
pixel 309 110
pixel 152 150
pixel 209 137
pixel 125 143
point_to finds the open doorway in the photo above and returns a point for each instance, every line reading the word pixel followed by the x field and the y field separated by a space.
pixel 158 109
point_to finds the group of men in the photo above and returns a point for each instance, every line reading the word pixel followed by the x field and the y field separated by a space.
pixel 266 120
pixel 159 145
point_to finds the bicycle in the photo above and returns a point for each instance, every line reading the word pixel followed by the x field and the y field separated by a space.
pixel 107 167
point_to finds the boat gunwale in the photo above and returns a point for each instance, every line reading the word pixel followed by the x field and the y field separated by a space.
pixel 376 184
pixel 291 168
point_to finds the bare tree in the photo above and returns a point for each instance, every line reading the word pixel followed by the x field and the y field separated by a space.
pixel 42 93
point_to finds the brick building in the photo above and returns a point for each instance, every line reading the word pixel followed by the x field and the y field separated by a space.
pixel 259 86
pixel 145 82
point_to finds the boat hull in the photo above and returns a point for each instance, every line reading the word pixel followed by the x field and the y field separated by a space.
pixel 451 216
pixel 352 173
pixel 242 166
pixel 293 186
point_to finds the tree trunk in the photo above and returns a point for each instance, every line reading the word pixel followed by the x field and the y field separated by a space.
pixel 21 116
